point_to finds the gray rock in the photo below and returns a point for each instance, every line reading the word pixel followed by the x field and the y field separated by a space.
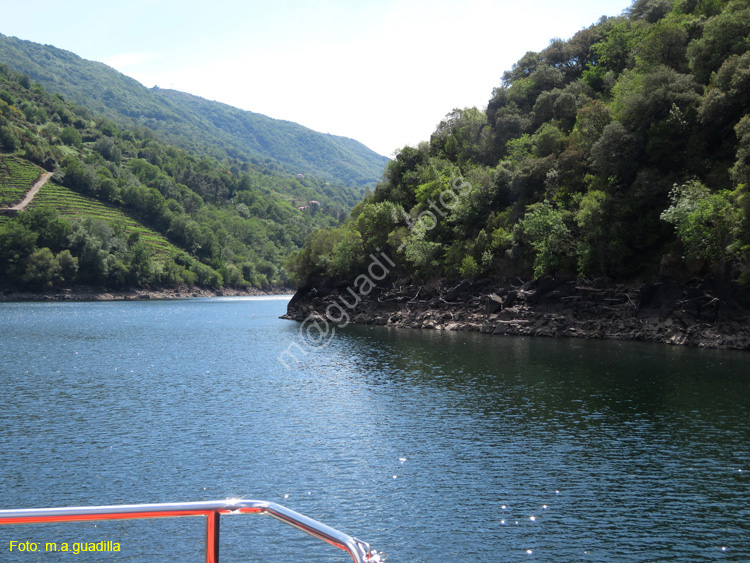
pixel 510 299
pixel 458 290
pixel 494 303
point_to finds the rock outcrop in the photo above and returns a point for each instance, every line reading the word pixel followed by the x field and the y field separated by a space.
pixel 698 313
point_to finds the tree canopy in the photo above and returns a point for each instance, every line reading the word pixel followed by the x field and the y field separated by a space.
pixel 594 157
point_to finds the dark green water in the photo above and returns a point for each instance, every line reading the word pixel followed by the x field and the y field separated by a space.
pixel 430 446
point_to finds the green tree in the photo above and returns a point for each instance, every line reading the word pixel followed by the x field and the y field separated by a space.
pixel 545 230
pixel 469 268
pixel 140 263
pixel 613 53
pixel 548 140
pixel 723 35
pixel 348 255
pixel 591 120
pixel 79 177
pixel 70 136
pixel 108 149
pixel 117 272
pixel 643 98
pixel 423 255
pixel 650 10
pixel 314 261
pixel 741 170
pixel 664 44
pixel 42 268
pixel 375 223
pixel 51 228
pixel 7 97
pixel 17 242
pixel 8 139
pixel 93 267
pixel 68 265
pixel 594 222
pixel 458 136
pixel 615 153
pixel 706 223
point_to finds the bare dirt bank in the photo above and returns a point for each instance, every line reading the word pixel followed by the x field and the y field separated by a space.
pixel 695 313
pixel 95 294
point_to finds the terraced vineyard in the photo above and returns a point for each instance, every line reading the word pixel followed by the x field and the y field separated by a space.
pixel 72 204
pixel 16 178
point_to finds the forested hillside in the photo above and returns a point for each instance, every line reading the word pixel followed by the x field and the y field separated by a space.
pixel 194 123
pixel 623 152
pixel 125 209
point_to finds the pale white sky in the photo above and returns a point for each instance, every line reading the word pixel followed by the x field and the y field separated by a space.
pixel 384 73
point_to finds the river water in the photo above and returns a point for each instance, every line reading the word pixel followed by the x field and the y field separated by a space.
pixel 431 446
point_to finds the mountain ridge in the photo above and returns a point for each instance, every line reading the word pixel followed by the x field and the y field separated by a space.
pixel 193 122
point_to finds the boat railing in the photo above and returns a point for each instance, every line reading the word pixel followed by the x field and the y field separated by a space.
pixel 360 551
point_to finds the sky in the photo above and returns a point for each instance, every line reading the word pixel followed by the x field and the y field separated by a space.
pixel 382 72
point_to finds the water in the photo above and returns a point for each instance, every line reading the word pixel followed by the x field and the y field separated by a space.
pixel 430 446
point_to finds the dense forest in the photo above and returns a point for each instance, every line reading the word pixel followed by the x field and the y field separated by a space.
pixel 621 153
pixel 133 211
pixel 190 122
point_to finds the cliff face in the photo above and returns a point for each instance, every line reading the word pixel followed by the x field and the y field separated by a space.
pixel 698 313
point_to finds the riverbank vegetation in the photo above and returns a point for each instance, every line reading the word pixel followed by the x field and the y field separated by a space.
pixel 622 152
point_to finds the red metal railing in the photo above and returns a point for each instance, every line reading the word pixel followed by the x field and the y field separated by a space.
pixel 212 510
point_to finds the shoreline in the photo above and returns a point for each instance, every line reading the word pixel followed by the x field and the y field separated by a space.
pixel 97 294
pixel 698 313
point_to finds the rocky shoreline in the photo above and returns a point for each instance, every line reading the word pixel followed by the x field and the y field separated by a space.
pixel 699 312
pixel 97 294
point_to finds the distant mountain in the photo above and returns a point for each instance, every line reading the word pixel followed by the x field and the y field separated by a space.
pixel 304 150
pixel 193 122
pixel 125 209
